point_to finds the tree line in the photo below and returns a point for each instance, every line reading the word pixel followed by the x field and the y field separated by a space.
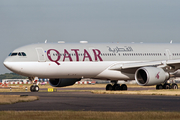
pixel 12 76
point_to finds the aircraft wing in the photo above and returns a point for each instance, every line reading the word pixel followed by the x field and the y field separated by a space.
pixel 132 67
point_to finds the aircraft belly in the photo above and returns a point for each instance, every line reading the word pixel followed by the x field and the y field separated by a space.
pixel 64 70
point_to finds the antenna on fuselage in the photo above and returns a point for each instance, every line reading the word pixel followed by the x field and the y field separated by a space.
pixel 45 41
pixel 171 41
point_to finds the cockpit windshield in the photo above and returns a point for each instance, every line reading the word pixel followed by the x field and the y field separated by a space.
pixel 9 54
pixel 17 54
pixel 13 54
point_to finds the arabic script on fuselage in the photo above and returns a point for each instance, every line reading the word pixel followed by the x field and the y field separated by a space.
pixel 120 49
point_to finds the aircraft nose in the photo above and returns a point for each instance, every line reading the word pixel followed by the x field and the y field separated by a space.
pixel 12 66
pixel 6 64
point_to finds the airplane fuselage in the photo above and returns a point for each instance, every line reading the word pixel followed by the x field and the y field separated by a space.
pixel 53 60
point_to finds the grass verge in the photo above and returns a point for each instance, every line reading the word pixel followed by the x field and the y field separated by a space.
pixel 10 99
pixel 142 92
pixel 87 115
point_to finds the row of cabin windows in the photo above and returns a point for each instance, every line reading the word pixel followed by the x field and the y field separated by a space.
pixel 148 54
pixel 82 54
pixel 124 54
pixel 142 54
pixel 113 54
pixel 139 54
pixel 67 54
pixel 176 54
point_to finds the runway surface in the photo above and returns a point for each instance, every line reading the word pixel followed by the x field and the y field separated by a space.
pixel 88 101
pixel 100 88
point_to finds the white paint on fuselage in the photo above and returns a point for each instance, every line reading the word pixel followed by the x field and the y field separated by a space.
pixel 66 70
pixel 32 65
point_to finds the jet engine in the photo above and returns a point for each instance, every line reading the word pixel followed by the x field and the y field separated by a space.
pixel 63 82
pixel 147 76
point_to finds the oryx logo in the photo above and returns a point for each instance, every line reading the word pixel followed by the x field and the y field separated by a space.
pixel 157 76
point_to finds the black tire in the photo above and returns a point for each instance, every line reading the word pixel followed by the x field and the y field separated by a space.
pixel 116 87
pixel 123 87
pixel 34 88
pixel 174 86
pixel 159 87
pixel 166 86
pixel 109 87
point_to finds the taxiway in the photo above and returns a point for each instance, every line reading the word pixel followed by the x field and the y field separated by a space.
pixel 87 101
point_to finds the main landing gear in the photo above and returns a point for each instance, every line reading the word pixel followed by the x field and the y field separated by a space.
pixel 34 87
pixel 116 87
pixel 167 86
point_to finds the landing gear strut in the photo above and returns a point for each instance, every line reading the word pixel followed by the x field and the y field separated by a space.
pixel 116 87
pixel 34 87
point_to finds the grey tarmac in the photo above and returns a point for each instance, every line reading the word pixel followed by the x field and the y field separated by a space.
pixel 87 101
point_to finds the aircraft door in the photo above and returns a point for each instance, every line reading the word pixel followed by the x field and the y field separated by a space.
pixel 41 55
pixel 169 54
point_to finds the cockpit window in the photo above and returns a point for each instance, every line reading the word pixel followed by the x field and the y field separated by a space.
pixel 19 54
pixel 23 54
pixel 9 54
pixel 13 54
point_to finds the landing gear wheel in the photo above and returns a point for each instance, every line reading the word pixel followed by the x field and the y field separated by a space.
pixel 159 87
pixel 109 87
pixel 123 87
pixel 174 86
pixel 34 88
pixel 116 87
pixel 166 86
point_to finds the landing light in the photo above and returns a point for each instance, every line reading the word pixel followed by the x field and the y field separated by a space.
pixel 83 41
pixel 61 42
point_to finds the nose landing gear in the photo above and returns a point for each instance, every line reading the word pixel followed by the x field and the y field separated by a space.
pixel 34 87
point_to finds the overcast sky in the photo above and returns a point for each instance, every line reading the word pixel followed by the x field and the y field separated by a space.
pixel 24 22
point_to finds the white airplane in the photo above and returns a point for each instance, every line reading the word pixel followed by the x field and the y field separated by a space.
pixel 66 63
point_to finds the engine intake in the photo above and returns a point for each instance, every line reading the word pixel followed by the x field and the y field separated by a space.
pixel 63 82
pixel 147 76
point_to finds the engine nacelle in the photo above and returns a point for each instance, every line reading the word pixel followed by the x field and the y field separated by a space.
pixel 147 76
pixel 63 82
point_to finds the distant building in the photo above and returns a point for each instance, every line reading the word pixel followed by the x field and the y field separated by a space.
pixel 11 81
pixel 22 81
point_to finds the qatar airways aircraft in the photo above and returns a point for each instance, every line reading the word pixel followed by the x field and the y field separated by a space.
pixel 66 63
